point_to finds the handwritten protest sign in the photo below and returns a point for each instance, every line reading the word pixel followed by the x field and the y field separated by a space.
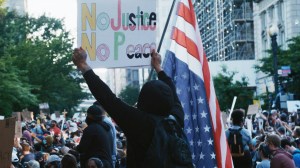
pixel 117 33
pixel 18 129
pixel 252 109
pixel 293 106
pixel 7 132
pixel 57 114
pixel 44 108
pixel 17 115
pixel 26 115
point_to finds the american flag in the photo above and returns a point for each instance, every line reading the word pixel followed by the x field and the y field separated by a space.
pixel 185 62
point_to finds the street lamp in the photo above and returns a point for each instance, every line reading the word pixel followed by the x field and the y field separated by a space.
pixel 273 31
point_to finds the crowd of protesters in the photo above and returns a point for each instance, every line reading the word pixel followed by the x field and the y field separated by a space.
pixel 51 144
pixel 269 139
pixel 272 141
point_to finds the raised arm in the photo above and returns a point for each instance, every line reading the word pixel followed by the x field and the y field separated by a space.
pixel 177 110
pixel 127 117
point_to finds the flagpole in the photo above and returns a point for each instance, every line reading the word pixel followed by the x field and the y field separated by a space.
pixel 162 37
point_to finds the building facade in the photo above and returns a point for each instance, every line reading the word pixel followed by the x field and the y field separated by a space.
pixel 226 28
pixel 19 5
pixel 286 16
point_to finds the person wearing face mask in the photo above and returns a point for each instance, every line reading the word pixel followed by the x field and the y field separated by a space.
pixel 97 140
pixel 279 157
pixel 47 144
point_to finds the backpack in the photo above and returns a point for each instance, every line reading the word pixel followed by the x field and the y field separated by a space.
pixel 235 142
pixel 169 147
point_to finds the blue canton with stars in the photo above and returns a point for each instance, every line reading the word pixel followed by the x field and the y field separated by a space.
pixel 197 122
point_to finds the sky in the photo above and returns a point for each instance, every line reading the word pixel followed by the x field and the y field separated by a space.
pixel 61 9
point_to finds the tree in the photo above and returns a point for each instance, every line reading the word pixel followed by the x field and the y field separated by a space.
pixel 130 94
pixel 226 89
pixel 36 64
pixel 289 57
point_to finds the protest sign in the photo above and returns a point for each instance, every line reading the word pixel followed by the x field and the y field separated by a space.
pixel 252 109
pixel 58 118
pixel 7 132
pixel 17 115
pixel 18 129
pixel 117 33
pixel 57 114
pixel 293 106
pixel 224 119
pixel 26 115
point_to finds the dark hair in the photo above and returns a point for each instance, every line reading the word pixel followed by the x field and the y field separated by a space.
pixel 283 117
pixel 237 116
pixel 285 142
pixel 297 131
pixel 95 112
pixel 68 161
pixel 281 130
pixel 74 153
pixel 97 161
pixel 264 149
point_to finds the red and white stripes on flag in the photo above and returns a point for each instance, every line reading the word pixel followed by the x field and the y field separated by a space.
pixel 186 59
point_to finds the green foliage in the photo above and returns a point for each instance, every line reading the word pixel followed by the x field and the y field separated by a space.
pixel 35 64
pixel 226 89
pixel 289 57
pixel 129 95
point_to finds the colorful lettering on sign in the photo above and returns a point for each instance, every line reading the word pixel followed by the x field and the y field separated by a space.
pixel 139 21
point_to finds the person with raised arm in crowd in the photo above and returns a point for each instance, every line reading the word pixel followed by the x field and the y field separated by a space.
pixel 157 97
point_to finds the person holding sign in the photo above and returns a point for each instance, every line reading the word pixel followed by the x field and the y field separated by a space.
pixel 157 98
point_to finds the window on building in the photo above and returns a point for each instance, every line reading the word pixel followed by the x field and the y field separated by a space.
pixel 271 14
pixel 279 11
pixel 263 20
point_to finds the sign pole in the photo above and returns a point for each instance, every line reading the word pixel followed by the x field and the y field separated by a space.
pixel 162 37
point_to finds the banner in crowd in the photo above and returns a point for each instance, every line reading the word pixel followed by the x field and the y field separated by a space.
pixel 252 109
pixel 117 33
pixel 17 115
pixel 26 115
pixel 7 133
pixel 293 106
pixel 44 108
pixel 18 129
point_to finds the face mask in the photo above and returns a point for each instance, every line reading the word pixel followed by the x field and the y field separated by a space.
pixel 44 142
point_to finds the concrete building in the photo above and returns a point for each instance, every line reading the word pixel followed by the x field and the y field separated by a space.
pixel 19 5
pixel 282 13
